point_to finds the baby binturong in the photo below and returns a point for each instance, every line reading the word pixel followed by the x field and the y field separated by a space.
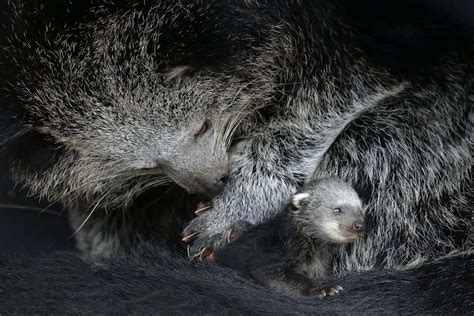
pixel 291 252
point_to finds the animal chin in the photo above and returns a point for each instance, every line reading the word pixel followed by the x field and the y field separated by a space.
pixel 334 233
pixel 351 237
pixel 347 234
pixel 187 188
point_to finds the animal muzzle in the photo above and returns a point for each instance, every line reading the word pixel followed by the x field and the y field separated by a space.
pixel 353 231
pixel 358 227
pixel 209 188
pixel 204 186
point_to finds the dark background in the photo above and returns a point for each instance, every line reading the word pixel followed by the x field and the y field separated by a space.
pixel 31 226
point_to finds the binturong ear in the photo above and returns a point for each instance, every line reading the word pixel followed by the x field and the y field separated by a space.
pixel 12 125
pixel 299 199
pixel 178 72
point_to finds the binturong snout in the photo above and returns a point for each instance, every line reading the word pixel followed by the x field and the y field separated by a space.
pixel 206 182
pixel 358 227
pixel 351 228
pixel 354 230
pixel 211 186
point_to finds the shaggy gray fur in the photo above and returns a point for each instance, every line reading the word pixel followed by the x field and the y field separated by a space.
pixel 102 92
pixel 164 284
pixel 403 141
pixel 119 117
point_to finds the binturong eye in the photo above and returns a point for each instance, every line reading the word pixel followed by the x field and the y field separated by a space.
pixel 202 130
pixel 337 210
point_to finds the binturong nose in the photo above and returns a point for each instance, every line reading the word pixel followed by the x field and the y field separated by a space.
pixel 214 185
pixel 358 227
pixel 221 180
pixel 219 184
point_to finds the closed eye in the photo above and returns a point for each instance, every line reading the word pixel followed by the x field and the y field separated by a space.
pixel 202 130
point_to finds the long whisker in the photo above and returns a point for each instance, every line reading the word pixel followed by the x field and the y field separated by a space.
pixel 89 216
pixel 70 192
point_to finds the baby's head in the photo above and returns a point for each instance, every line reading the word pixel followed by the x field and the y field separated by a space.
pixel 329 210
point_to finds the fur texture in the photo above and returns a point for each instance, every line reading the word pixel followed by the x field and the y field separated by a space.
pixel 64 283
pixel 104 112
pixel 402 140
pixel 82 80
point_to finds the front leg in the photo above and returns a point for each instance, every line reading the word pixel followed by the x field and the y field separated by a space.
pixel 243 202
pixel 263 177
pixel 266 170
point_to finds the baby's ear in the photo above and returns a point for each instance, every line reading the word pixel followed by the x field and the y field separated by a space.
pixel 298 199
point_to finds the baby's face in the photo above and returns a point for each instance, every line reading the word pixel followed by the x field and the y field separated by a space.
pixel 335 216
pixel 340 224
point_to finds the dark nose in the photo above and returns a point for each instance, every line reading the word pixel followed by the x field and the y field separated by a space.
pixel 222 180
pixel 214 187
pixel 219 183
pixel 358 227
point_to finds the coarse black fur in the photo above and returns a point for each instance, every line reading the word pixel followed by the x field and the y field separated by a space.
pixel 293 251
pixel 162 283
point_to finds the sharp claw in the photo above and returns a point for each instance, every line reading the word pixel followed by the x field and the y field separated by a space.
pixel 188 250
pixel 336 290
pixel 200 255
pixel 231 236
pixel 188 237
pixel 206 252
pixel 322 295
pixel 210 258
pixel 192 258
pixel 201 210
pixel 318 293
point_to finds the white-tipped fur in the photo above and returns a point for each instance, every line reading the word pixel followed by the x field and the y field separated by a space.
pixel 309 103
pixel 332 230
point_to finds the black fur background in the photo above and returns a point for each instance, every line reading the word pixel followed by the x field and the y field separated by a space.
pixel 63 283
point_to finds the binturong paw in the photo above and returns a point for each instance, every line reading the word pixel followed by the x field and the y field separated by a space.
pixel 322 293
pixel 208 232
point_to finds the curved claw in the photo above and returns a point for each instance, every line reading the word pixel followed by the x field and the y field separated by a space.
pixel 231 236
pixel 203 254
pixel 330 291
pixel 237 230
pixel 321 294
pixel 201 208
pixel 210 258
pixel 198 234
pixel 188 237
pixel 335 290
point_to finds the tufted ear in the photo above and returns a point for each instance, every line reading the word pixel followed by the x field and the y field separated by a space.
pixel 178 72
pixel 12 125
pixel 298 199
